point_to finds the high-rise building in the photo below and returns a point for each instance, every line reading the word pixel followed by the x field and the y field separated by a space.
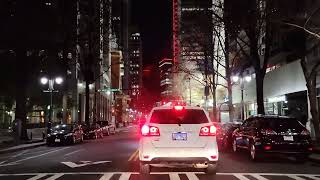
pixel 135 68
pixel 166 78
pixel 192 48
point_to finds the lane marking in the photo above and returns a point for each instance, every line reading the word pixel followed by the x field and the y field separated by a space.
pixel 133 155
pixel 312 177
pixel 241 177
pixel 295 177
pixel 19 154
pixel 174 176
pixel 83 163
pixel 73 152
pixel 192 176
pixel 136 157
pixel 259 177
pixel 32 157
pixel 106 176
pixel 125 176
pixel 54 177
pixel 39 176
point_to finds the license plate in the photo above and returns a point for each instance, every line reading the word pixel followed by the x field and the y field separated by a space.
pixel 179 136
pixel 57 140
pixel 288 138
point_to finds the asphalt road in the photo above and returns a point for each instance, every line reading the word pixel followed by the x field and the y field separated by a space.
pixel 115 157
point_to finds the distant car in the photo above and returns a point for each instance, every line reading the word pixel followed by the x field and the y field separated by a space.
pixel 178 136
pixel 94 131
pixel 65 134
pixel 107 127
pixel 261 135
pixel 224 138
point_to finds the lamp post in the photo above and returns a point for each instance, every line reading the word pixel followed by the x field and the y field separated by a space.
pixel 50 82
pixel 241 79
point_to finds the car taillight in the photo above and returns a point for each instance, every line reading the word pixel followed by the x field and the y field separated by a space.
pixel 305 132
pixel 150 131
pixel 208 131
pixel 268 132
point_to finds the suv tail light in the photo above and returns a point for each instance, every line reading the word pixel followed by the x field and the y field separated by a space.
pixel 268 132
pixel 150 131
pixel 305 133
pixel 208 131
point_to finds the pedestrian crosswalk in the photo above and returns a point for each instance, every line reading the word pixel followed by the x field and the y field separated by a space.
pixel 157 175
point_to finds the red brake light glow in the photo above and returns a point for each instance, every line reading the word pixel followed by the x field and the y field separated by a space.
pixel 208 131
pixel 150 131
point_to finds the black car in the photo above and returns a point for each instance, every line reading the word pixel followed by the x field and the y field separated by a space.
pixel 93 131
pixel 65 134
pixel 273 134
pixel 224 138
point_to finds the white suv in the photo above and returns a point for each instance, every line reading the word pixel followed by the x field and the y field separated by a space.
pixel 178 136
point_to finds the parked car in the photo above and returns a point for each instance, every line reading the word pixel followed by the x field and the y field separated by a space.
pixel 224 138
pixel 260 135
pixel 65 134
pixel 93 131
pixel 107 127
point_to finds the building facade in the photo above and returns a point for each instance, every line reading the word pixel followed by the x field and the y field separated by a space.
pixel 135 61
pixel 166 78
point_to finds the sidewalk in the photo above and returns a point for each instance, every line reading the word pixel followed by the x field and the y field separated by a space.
pixel 27 145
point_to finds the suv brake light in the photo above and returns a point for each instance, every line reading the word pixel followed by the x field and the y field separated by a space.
pixel 305 132
pixel 268 132
pixel 150 131
pixel 208 131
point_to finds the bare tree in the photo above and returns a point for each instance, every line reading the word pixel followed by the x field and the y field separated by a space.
pixel 311 69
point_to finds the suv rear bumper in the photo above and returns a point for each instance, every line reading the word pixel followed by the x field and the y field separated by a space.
pixel 186 160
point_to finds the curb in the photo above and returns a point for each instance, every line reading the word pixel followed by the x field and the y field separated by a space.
pixel 314 159
pixel 3 151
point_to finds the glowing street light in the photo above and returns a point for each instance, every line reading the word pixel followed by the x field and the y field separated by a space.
pixel 44 80
pixel 241 79
pixel 59 80
pixel 50 82
pixel 235 78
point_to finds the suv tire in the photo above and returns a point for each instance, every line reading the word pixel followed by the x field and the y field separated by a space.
pixel 254 155
pixel 145 169
pixel 234 146
pixel 211 169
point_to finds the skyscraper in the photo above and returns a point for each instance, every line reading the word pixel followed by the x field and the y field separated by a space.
pixel 135 61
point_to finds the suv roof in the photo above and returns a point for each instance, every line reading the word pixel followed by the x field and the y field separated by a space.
pixel 170 107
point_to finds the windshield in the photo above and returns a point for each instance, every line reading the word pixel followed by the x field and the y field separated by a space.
pixel 169 116
pixel 62 128
pixel 282 123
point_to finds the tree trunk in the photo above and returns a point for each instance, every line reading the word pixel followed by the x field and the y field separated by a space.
pixel 312 93
pixel 87 107
pixel 259 92
pixel 228 72
pixel 21 96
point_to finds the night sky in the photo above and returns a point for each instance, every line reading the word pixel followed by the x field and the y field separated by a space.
pixel 153 17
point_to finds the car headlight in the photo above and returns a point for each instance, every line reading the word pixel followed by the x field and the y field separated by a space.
pixel 69 134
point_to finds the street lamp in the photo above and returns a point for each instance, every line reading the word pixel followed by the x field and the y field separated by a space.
pixel 50 82
pixel 241 80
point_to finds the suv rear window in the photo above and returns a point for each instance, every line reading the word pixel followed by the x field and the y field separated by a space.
pixel 280 123
pixel 169 116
